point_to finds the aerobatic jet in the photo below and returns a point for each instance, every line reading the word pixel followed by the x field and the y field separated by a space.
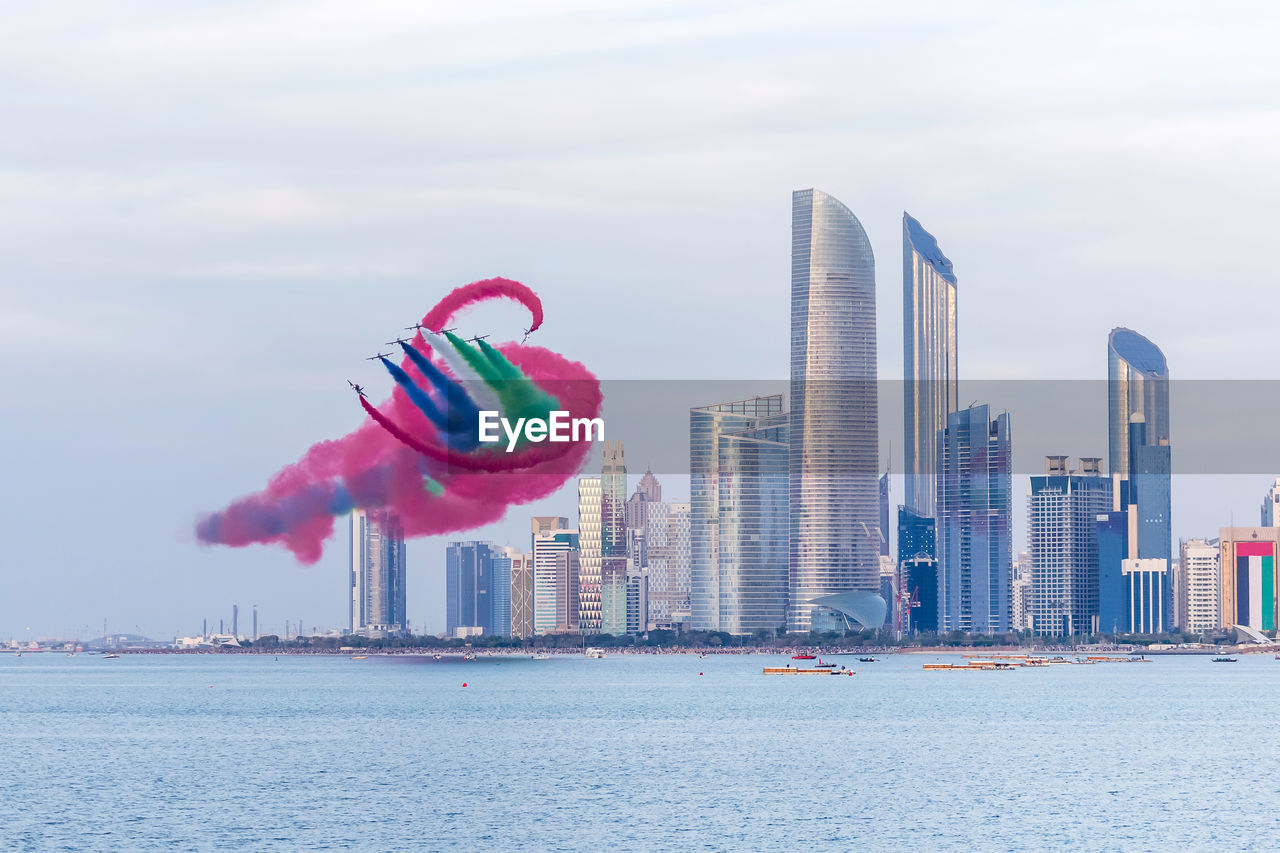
pixel 358 388
pixel 378 356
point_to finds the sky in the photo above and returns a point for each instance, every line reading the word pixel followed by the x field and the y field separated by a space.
pixel 211 213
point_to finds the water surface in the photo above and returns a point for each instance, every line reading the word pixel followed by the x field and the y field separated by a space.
pixel 170 752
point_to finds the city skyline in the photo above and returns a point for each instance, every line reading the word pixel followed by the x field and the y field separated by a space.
pixel 176 372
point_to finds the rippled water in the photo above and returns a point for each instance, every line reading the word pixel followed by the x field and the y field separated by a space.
pixel 643 753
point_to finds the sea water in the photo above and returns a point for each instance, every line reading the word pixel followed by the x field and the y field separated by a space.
pixel 632 752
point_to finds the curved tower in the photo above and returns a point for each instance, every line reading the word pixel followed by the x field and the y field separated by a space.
pixel 1137 384
pixel 928 359
pixel 833 436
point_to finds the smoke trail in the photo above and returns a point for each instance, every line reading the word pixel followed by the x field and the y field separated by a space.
pixel 446 309
pixel 393 461
pixel 417 395
pixel 520 397
pixel 477 362
pixel 483 395
pixel 460 409
pixel 505 369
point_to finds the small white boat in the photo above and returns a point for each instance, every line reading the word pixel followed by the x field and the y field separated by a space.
pixel 594 652
pixel 110 656
pixel 542 657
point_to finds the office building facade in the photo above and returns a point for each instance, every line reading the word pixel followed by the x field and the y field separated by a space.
pixel 376 560
pixel 1248 583
pixel 667 555
pixel 930 373
pixel 833 429
pixel 1063 507
pixel 752 487
pixel 1198 586
pixel 974 523
pixel 521 593
pixel 590 553
pixel 706 425
pixel 918 569
pixel 471 595
pixel 1271 506
pixel 1137 385
pixel 551 536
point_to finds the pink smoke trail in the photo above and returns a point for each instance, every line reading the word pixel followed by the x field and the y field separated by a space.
pixel 478 291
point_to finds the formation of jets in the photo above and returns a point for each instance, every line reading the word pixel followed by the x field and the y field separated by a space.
pixel 416 327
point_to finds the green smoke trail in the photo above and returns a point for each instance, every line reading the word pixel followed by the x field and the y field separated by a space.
pixel 476 361
pixel 519 395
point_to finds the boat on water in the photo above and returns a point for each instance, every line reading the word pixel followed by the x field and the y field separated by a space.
pixel 110 656
pixel 867 660
pixel 825 665
pixel 803 657
pixel 359 657
pixel 791 670
pixel 1224 660
pixel 542 657
pixel 594 652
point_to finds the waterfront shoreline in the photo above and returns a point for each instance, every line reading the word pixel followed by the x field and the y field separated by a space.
pixel 455 653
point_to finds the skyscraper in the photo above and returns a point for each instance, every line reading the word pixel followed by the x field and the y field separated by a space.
pixel 974 505
pixel 1249 587
pixel 377 573
pixel 1137 384
pixel 1138 528
pixel 753 532
pixel 500 591
pixel 613 540
pixel 521 593
pixel 469 587
pixel 550 536
pixel 834 564
pixel 590 554
pixel 918 568
pixel 1062 521
pixel 1271 506
pixel 637 600
pixel 1198 582
pixel 706 425
pixel 567 594
pixel 884 514
pixel 929 358
pixel 667 553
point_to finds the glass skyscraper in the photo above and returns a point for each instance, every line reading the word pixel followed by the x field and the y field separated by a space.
pixel 834 443
pixel 1137 384
pixel 752 497
pixel 1133 596
pixel 928 358
pixel 975 507
pixel 1063 519
pixel 706 425
pixel 471 594
pixel 918 566
pixel 377 571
